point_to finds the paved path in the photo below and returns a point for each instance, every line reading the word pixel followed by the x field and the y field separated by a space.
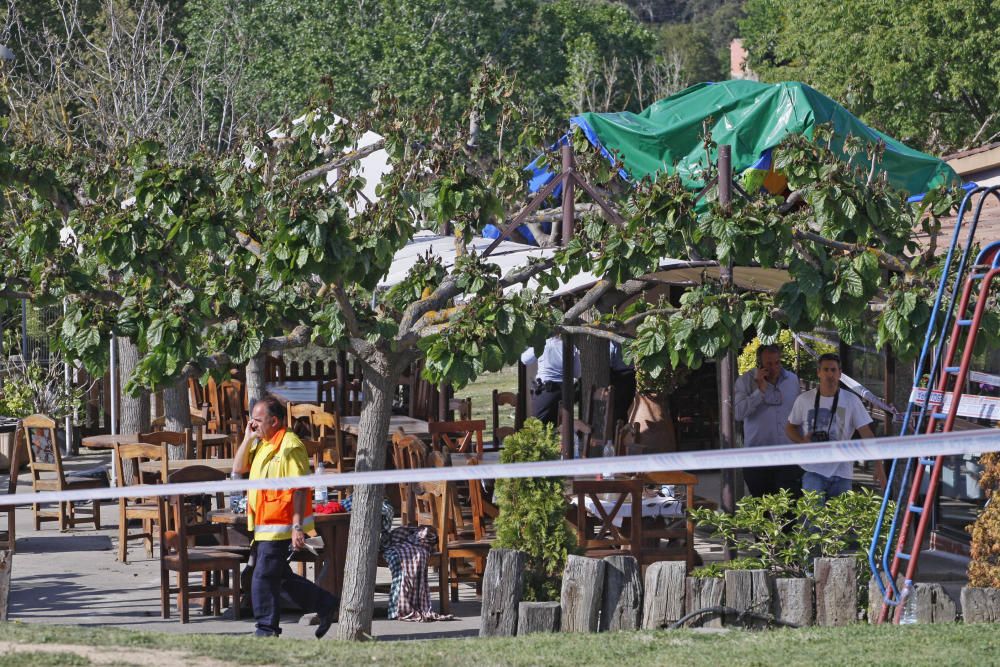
pixel 73 578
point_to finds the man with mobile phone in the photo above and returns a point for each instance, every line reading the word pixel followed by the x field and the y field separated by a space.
pixel 279 519
pixel 763 399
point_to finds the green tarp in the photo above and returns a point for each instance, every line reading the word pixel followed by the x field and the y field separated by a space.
pixel 752 117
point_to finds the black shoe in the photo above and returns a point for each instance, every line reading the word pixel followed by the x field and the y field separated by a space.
pixel 325 621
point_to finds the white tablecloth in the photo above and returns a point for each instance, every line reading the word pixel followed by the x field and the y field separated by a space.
pixel 655 507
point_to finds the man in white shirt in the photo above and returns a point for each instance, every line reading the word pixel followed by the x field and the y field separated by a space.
pixel 828 413
pixel 547 390
pixel 763 401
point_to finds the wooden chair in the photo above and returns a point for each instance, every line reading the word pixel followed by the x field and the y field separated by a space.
pixel 408 452
pixel 326 394
pixel 8 534
pixel 353 398
pixel 461 406
pixel 127 459
pixel 38 433
pixel 452 552
pixel 220 568
pixel 233 408
pixel 583 435
pixel 601 412
pixel 326 425
pixel 300 419
pixel 627 440
pixel 462 436
pixel 179 444
pixel 506 399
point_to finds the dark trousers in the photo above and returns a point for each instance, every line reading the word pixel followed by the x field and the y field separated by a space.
pixel 624 384
pixel 271 575
pixel 764 481
pixel 545 402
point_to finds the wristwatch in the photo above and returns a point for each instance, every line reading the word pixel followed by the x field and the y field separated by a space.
pixel 297 526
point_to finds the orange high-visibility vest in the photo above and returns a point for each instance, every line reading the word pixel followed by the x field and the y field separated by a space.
pixel 269 512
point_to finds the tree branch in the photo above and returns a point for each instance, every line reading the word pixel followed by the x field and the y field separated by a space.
pixel 344 160
pixel 589 300
pixel 591 331
pixel 886 260
pixel 350 317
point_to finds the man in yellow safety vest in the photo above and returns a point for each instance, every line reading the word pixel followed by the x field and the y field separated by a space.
pixel 279 519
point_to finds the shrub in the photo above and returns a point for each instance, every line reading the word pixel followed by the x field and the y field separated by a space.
pixel 783 534
pixel 807 365
pixel 533 512
pixel 984 567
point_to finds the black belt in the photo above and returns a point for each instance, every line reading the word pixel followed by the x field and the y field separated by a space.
pixel 547 386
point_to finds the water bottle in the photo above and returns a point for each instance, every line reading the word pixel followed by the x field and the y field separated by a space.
pixel 236 496
pixel 907 599
pixel 320 493
pixel 608 451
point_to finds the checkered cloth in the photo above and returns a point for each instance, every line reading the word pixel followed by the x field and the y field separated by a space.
pixel 406 549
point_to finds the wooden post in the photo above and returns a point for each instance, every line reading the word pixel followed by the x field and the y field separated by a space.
pixel 836 591
pixel 932 604
pixel 341 388
pixel 663 602
pixel 502 585
pixel 980 605
pixel 702 593
pixel 793 601
pixel 566 403
pixel 537 617
pixel 521 411
pixel 727 368
pixel 582 587
pixel 6 561
pixel 568 194
pixel 622 606
pixel 749 591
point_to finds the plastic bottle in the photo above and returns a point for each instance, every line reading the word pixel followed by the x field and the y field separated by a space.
pixel 236 496
pixel 907 599
pixel 321 494
pixel 609 450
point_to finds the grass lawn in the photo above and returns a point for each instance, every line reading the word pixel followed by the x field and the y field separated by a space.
pixel 481 392
pixel 954 644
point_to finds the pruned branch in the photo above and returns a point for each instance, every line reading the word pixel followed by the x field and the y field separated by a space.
pixel 886 260
pixel 342 161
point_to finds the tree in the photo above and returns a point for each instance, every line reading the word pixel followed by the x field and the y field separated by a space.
pixel 209 260
pixel 923 72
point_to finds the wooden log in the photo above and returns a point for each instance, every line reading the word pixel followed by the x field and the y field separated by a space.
pixel 702 593
pixel 933 605
pixel 537 617
pixel 502 584
pixel 793 601
pixel 749 591
pixel 622 605
pixel 875 596
pixel 836 591
pixel 6 560
pixel 582 588
pixel 664 595
pixel 980 605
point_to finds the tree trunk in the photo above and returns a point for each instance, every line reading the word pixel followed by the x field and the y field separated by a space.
pixel 134 410
pixel 177 411
pixel 358 601
pixel 256 379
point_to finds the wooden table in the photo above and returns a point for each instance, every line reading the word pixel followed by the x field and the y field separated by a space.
pixel 173 465
pixel 107 441
pixel 294 391
pixel 458 459
pixel 605 533
pixel 333 528
pixel 410 426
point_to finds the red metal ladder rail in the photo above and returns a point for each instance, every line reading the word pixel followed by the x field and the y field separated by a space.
pixel 987 267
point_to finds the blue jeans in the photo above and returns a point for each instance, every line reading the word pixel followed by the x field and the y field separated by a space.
pixel 830 487
pixel 271 574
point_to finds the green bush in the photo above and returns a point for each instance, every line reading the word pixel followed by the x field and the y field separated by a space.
pixel 783 534
pixel 533 512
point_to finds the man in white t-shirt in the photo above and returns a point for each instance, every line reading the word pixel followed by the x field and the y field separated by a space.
pixel 828 413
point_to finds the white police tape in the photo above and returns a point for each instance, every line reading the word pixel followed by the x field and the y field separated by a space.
pixel 912 446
